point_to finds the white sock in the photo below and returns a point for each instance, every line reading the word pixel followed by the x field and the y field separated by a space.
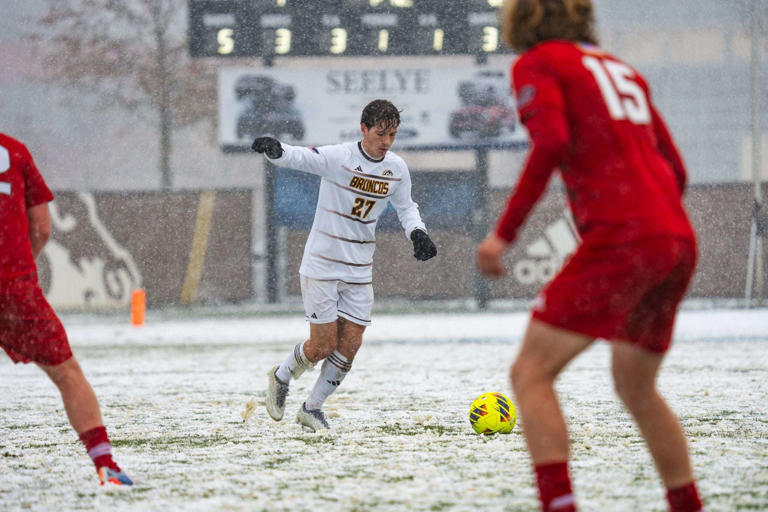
pixel 294 360
pixel 334 369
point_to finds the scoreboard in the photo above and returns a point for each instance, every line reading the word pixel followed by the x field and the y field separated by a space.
pixel 268 28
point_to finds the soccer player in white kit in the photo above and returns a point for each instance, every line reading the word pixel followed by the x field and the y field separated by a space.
pixel 358 180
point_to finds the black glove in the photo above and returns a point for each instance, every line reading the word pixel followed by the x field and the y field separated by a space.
pixel 271 147
pixel 423 247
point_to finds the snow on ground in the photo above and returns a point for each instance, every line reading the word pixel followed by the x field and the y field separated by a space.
pixel 172 393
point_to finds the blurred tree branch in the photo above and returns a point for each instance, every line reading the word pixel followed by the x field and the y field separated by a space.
pixel 132 55
pixel 746 8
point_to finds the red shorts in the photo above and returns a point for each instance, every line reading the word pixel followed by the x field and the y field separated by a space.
pixel 30 331
pixel 627 292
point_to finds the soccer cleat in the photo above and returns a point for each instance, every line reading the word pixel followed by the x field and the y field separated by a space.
pixel 277 390
pixel 312 418
pixel 110 476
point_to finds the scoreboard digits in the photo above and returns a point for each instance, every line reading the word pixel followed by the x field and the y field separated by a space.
pixel 263 28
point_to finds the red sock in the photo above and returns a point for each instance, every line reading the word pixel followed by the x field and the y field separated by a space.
pixel 98 447
pixel 684 499
pixel 555 487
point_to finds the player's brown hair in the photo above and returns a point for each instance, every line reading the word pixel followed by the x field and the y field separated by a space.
pixel 526 23
pixel 380 112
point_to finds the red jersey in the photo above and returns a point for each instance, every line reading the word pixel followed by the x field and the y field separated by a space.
pixel 21 187
pixel 590 115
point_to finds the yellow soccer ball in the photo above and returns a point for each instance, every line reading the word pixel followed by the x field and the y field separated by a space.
pixel 492 413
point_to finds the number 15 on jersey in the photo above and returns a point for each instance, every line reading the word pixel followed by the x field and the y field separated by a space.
pixel 623 96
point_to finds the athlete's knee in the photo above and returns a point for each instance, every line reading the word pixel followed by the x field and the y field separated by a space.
pixel 633 390
pixel 349 345
pixel 66 371
pixel 634 373
pixel 324 346
pixel 350 338
pixel 349 350
pixel 523 374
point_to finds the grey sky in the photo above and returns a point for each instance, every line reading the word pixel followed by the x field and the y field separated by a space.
pixel 694 52
pixel 17 14
pixel 613 12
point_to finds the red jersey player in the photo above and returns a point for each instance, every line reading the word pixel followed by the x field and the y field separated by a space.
pixel 590 115
pixel 30 331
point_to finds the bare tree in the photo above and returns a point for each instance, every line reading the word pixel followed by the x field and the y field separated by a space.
pixel 133 55
pixel 748 10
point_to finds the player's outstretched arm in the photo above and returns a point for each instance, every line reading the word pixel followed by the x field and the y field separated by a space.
pixel 39 227
pixel 423 246
pixel 323 161
pixel 269 146
pixel 669 150
pixel 543 114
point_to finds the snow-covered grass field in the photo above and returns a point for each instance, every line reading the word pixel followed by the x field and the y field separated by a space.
pixel 172 394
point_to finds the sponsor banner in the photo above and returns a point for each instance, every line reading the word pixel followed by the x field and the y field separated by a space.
pixel 181 247
pixel 543 245
pixel 441 108
pixel 721 215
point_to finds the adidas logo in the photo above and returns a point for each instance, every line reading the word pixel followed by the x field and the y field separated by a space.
pixel 334 382
pixel 314 315
pixel 546 255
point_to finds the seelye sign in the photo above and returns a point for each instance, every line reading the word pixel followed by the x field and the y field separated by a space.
pixel 441 108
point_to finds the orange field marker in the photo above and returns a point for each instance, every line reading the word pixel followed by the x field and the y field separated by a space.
pixel 138 307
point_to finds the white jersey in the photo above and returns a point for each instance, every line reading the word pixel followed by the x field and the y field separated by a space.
pixel 354 191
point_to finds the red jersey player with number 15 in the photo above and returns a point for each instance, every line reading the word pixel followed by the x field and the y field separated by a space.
pixel 590 116
pixel 30 331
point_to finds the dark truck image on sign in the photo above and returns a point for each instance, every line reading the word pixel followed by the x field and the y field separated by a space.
pixel 485 109
pixel 268 109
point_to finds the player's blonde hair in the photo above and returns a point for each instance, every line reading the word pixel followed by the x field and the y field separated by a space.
pixel 526 23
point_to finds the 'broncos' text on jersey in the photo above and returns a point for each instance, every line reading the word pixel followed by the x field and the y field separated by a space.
pixel 354 191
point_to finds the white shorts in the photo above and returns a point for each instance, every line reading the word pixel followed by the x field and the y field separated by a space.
pixel 325 301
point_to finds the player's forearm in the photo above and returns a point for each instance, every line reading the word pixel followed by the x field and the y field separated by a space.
pixel 39 227
pixel 38 237
pixel 300 158
pixel 410 218
pixel 407 211
pixel 669 150
pixel 411 223
pixel 531 185
pixel 549 144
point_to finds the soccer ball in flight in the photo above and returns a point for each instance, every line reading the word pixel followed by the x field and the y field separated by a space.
pixel 491 413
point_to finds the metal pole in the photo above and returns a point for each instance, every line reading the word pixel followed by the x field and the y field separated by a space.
pixel 756 242
pixel 751 261
pixel 272 245
pixel 481 222
pixel 271 234
pixel 481 219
